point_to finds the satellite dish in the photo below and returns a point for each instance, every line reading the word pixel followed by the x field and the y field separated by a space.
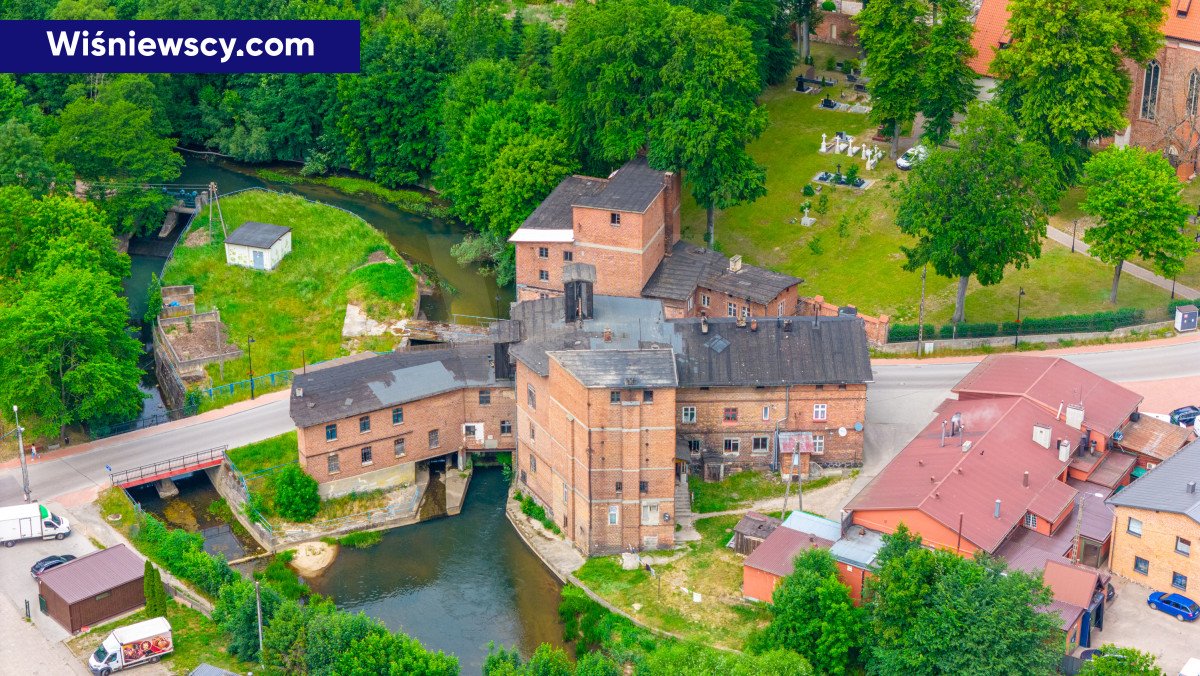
pixel 841 431
pixel 857 427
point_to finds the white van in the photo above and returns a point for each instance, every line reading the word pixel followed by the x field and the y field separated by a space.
pixel 32 520
pixel 133 645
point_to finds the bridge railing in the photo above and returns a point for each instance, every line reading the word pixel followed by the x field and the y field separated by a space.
pixel 125 476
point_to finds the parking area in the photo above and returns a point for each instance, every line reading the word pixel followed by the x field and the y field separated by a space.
pixel 1131 622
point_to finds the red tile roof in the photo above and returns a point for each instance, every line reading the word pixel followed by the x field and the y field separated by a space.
pixel 1052 382
pixel 1186 27
pixel 991 26
pixel 1071 584
pixel 777 554
pixel 943 481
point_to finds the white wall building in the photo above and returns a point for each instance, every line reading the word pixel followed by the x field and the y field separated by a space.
pixel 258 245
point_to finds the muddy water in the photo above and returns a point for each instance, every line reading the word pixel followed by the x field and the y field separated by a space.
pixel 454 583
pixel 190 511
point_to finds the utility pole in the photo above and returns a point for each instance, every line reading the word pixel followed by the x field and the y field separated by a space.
pixel 258 603
pixel 788 486
pixel 21 448
pixel 921 315
pixel 250 356
pixel 1017 338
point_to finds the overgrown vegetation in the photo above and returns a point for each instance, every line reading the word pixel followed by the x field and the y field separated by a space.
pixel 363 539
pixel 736 490
pixel 530 508
pixel 296 497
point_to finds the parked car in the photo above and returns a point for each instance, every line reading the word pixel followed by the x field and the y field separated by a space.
pixel 48 563
pixel 912 157
pixel 1185 415
pixel 1183 608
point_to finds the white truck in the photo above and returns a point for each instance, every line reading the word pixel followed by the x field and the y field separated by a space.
pixel 20 522
pixel 133 645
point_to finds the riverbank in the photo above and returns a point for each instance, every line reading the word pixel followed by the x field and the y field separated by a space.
pixel 411 200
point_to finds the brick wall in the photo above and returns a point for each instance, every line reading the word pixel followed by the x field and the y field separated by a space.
pixel 530 265
pixel 876 327
pixel 1172 130
pixel 716 304
pixel 836 28
pixel 1157 546
pixel 844 407
pixel 446 413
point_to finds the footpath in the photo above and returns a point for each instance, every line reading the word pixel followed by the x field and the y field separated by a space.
pixel 1130 269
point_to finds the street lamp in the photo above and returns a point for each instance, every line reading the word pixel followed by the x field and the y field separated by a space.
pixel 21 446
pixel 250 356
pixel 1017 338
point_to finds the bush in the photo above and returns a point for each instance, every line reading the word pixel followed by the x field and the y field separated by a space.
pixel 808 190
pixel 282 578
pixel 815 246
pixel 530 508
pixel 156 596
pixel 829 6
pixel 1097 321
pixel 902 333
pixel 823 203
pixel 852 175
pixel 1178 302
pixel 830 63
pixel 965 330
pixel 296 497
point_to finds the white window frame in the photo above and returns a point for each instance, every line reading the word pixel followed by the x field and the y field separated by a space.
pixel 543 276
pixel 650 514
pixel 1129 527
pixel 732 445
pixel 1031 520
pixel 820 412
pixel 818 444
pixel 766 412
pixel 400 445
pixel 687 414
pixel 614 515
pixel 543 252
pixel 766 444
pixel 730 310
pixel 704 300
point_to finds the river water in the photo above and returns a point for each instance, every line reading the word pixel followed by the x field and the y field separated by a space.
pixel 454 583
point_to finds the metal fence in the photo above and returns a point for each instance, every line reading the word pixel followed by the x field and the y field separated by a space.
pixel 101 431
pixel 269 380
pixel 195 460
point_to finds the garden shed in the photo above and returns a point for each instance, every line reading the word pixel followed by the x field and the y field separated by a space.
pixel 92 588
pixel 258 245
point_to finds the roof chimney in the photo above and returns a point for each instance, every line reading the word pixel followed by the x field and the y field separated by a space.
pixel 735 263
pixel 996 512
pixel 703 324
pixel 1191 487
pixel 1075 415
pixel 1061 403
pixel 943 442
pixel 1041 435
pixel 1025 479
pixel 753 324
pixel 607 335
pixel 1064 450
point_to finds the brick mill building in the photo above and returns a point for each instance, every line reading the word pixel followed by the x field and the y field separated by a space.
pixel 606 402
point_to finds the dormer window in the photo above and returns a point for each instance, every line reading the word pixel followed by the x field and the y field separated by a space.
pixel 614 218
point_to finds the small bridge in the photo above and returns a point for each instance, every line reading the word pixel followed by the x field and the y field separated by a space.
pixel 442 332
pixel 165 469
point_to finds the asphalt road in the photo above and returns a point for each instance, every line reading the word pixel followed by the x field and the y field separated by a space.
pixel 899 403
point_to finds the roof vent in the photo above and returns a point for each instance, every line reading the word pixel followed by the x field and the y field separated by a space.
pixel 348 401
pixel 966 446
pixel 735 263
pixel 1041 435
pixel 299 392
pixel 607 335
pixel 955 424
pixel 703 324
pixel 996 512
pixel 1064 450
pixel 1025 479
pixel 787 325
pixel 1191 487
pixel 1075 415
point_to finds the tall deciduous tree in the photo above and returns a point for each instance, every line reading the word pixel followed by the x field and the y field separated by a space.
pixel 947 82
pixel 893 33
pixel 814 615
pixel 807 15
pixel 979 209
pixel 1137 199
pixel 386 654
pixel 54 227
pixel 23 159
pixel 1063 74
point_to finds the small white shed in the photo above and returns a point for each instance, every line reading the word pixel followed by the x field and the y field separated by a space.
pixel 258 245
pixel 1186 318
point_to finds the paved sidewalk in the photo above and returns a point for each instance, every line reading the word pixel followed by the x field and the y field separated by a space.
pixel 25 650
pixel 1130 269
pixel 1180 339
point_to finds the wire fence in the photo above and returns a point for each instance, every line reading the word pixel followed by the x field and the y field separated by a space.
pixel 264 383
pixel 100 431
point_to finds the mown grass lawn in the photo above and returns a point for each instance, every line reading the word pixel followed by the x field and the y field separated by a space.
pixel 295 313
pixel 852 254
pixel 721 619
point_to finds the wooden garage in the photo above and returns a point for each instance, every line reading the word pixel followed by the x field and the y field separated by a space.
pixel 92 588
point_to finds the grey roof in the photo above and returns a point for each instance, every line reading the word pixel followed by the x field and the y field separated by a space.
pixel 812 524
pixel 206 669
pixel 859 546
pixel 257 235
pixel 389 380
pixel 94 574
pixel 690 266
pixel 1165 488
pixel 554 213
pixel 649 368
pixel 784 350
pixel 632 188
pixel 756 525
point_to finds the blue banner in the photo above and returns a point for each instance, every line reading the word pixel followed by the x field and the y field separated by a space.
pixel 179 46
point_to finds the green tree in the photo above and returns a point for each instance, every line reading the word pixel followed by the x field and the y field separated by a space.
pixel 156 596
pixel 697 660
pixel 83 10
pixel 296 496
pixel 813 615
pixel 893 33
pixel 1055 48
pixel 977 210
pixel 947 82
pixel 285 639
pixel 1137 201
pixel 387 654
pixel 807 15
pixel 236 612
pixel 33 227
pixel 23 159
pixel 154 300
pixel 1117 661
pixel 330 635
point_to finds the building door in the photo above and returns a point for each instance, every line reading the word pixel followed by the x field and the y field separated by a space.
pixel 258 260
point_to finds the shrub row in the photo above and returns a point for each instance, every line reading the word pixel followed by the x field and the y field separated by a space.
pixel 1083 323
pixel 1178 302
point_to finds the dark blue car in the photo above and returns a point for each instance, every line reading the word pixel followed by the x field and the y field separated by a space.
pixel 1183 608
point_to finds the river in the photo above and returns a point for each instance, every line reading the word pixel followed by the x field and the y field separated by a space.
pixel 454 583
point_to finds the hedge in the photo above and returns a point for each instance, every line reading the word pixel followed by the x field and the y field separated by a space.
pixel 1096 321
pixel 1176 303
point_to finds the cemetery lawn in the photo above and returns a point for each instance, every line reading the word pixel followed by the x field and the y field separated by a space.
pixel 852 254
pixel 295 312
pixel 722 618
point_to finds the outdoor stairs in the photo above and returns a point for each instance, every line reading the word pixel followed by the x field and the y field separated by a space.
pixel 683 503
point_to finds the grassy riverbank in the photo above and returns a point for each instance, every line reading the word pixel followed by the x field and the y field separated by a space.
pixel 295 313
pixel 412 201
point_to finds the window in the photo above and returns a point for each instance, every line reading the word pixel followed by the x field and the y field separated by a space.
pixel 1179 581
pixel 532 463
pixel 543 252
pixel 614 515
pixel 1183 546
pixel 687 414
pixel 820 411
pixel 766 412
pixel 468 430
pixel 531 396
pixel 704 300
pixel 693 445
pixel 730 414
pixel 398 448
pixel 532 432
pixel 761 444
pixel 1150 90
pixel 649 513
pixel 644 486
pixel 1193 92
pixel 330 432
pixel 745 312
pixel 730 310
pixel 434 440
pixel 505 427
pixel 614 397
pixel 733 445
pixel 779 310
pixel 1134 527
pixel 647 396
pixel 1031 520
pixel 568 256
pixel 364 423
pixel 614 219
pixel 334 466
pixel 691 302
pixel 818 444
pixel 398 415
pixel 366 456
pixel 485 397
pixel 1141 565
pixel 543 275
pixel 620 487
pixel 564 491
